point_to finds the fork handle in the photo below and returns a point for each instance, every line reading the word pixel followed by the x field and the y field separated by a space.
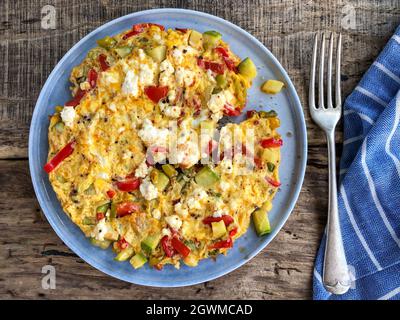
pixel 336 277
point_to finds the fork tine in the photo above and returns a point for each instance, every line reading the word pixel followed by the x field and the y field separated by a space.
pixel 311 92
pixel 321 74
pixel 338 99
pixel 329 77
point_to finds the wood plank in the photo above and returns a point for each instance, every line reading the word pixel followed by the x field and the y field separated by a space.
pixel 28 53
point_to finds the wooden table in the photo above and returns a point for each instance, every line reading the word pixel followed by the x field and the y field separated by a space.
pixel 28 54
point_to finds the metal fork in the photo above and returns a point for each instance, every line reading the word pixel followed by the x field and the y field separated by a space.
pixel 336 276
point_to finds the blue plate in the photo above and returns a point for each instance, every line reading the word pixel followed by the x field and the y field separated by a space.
pixel 294 152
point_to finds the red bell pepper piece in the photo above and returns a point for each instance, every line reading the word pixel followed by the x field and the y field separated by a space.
pixel 103 62
pixel 180 247
pixel 231 111
pixel 64 153
pixel 126 208
pixel 100 216
pixel 273 182
pixel 183 30
pixel 216 67
pixel 139 28
pixel 128 185
pixel 222 51
pixel 155 94
pixel 122 244
pixel 271 143
pixel 111 193
pixel 76 99
pixel 223 244
pixel 167 246
pixel 233 232
pixel 92 77
pixel 250 113
pixel 226 218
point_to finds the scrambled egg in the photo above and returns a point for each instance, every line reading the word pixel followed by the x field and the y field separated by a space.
pixel 135 158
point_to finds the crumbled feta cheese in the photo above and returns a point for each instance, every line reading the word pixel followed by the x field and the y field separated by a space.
pixel 156 214
pixel 142 55
pixel 224 185
pixel 217 214
pixel 68 115
pixel 193 203
pixel 146 75
pixel 157 38
pixel 109 77
pixel 171 95
pixel 174 222
pixel 226 166
pixel 166 232
pixel 166 73
pixel 142 170
pixel 151 135
pixel 210 75
pixel 131 83
pixel 180 210
pixel 217 102
pixel 100 230
pixel 172 111
pixel 112 107
pixel 148 190
pixel 184 77
pixel 102 175
pixel 177 55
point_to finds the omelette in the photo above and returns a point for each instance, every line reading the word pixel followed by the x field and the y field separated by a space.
pixel 139 158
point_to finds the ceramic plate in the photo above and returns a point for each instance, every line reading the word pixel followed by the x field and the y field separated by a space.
pixel 294 152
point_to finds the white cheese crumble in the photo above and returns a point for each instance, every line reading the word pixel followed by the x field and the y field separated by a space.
pixel 217 102
pixel 146 75
pixel 142 55
pixel 174 222
pixel 151 135
pixel 131 83
pixel 217 214
pixel 166 73
pixel 224 185
pixel 180 210
pixel 142 170
pixel 68 115
pixel 112 107
pixel 177 55
pixel 156 214
pixel 172 111
pixel 226 166
pixel 148 190
pixel 100 230
pixel 184 77
pixel 166 232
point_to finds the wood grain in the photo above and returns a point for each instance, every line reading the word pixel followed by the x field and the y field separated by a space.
pixel 28 53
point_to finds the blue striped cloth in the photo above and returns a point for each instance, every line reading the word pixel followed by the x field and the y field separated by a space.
pixel 369 188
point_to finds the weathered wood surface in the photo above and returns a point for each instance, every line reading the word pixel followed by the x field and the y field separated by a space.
pixel 27 55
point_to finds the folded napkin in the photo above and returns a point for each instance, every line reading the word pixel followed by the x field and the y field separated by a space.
pixel 369 188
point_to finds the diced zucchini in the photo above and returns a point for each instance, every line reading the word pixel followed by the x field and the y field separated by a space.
pixel 59 126
pixel 268 114
pixel 103 208
pixel 113 210
pixel 191 260
pixel 221 81
pixel 270 166
pixel 123 51
pixel 247 68
pixel 159 179
pixel 272 86
pixel 207 125
pixel 104 244
pixel 107 42
pixel 150 243
pixel 195 39
pixel 138 260
pixel 169 170
pixel 125 254
pixel 211 39
pixel 261 221
pixel 206 177
pixel 158 53
pixel 218 229
pixel 91 191
pixel 89 221
pixel 271 155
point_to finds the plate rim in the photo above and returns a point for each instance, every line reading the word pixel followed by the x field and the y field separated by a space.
pixel 301 129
